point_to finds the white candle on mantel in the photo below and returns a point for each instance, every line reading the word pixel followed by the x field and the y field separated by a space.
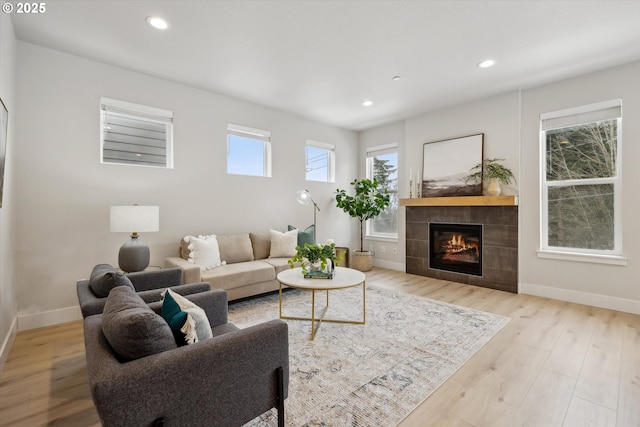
pixel 410 172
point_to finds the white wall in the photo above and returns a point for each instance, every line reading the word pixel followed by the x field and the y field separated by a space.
pixel 64 193
pixel 382 135
pixel 8 301
pixel 594 284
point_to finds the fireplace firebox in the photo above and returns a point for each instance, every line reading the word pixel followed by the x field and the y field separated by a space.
pixel 456 247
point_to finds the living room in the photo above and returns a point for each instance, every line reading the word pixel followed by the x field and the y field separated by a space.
pixel 54 220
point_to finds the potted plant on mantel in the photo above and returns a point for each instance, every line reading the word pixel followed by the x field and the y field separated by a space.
pixel 367 203
pixel 495 172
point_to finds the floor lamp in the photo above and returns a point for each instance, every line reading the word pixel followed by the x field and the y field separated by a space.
pixel 304 198
pixel 134 254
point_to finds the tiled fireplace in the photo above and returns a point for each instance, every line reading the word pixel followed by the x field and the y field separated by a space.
pixel 476 245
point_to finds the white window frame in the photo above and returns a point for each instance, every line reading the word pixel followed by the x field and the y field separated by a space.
pixel 331 159
pixel 137 112
pixel 606 110
pixel 372 152
pixel 255 134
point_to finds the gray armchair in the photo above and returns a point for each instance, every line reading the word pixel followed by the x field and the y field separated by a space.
pixel 226 380
pixel 148 284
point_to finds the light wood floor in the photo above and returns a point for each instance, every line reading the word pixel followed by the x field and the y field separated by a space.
pixel 554 364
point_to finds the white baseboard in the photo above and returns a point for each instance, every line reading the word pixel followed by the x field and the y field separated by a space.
pixel 391 265
pixel 48 318
pixel 585 298
pixel 7 342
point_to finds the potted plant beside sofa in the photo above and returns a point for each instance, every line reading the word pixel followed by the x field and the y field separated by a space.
pixel 367 203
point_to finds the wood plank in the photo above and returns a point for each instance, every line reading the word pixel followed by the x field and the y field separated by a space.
pixel 547 401
pixel 583 413
pixel 629 401
pixel 461 201
pixel 599 377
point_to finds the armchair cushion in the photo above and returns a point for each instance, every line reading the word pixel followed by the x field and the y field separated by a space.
pixel 188 322
pixel 104 278
pixel 132 328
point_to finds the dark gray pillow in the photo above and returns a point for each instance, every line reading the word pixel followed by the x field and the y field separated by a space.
pixel 104 278
pixel 132 328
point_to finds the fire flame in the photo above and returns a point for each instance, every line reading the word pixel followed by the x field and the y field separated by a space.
pixel 458 244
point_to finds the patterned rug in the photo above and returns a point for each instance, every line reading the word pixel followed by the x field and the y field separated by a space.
pixel 373 374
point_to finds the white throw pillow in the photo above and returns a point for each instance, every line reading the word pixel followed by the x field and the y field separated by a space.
pixel 204 251
pixel 283 245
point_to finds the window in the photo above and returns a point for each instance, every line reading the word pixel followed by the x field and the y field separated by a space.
pixel 581 204
pixel 382 164
pixel 248 151
pixel 320 162
pixel 133 134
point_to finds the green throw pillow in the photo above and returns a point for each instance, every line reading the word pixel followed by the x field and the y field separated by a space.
pixel 188 322
pixel 175 317
pixel 306 236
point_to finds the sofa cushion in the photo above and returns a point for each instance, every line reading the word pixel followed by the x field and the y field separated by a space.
pixel 188 322
pixel 283 244
pixel 232 276
pixel 261 243
pixel 132 329
pixel 235 248
pixel 279 264
pixel 204 251
pixel 306 236
pixel 104 278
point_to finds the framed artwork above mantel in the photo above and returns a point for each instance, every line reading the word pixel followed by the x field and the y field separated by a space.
pixel 446 163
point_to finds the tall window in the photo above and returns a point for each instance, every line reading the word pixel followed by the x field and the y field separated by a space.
pixel 248 151
pixel 581 206
pixel 320 161
pixel 133 134
pixel 382 164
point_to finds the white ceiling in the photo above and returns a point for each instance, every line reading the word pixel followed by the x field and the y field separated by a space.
pixel 321 59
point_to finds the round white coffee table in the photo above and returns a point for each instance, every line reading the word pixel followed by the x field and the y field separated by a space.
pixel 343 278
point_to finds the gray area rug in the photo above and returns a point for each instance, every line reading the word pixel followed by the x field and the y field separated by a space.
pixel 373 374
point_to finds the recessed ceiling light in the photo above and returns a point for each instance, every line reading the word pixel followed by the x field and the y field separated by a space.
pixel 367 103
pixel 158 23
pixel 395 78
pixel 487 63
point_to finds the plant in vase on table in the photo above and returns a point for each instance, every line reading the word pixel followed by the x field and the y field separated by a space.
pixel 320 258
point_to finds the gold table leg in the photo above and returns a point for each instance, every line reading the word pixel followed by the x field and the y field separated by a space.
pixel 314 326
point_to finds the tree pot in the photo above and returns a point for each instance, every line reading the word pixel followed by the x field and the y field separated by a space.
pixel 362 261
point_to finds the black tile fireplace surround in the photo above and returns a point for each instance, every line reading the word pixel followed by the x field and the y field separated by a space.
pixel 499 243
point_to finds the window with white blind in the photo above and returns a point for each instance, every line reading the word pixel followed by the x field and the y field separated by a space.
pixel 382 164
pixel 248 151
pixel 134 134
pixel 581 181
pixel 320 161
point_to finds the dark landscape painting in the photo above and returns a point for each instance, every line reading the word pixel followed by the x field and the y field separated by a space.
pixel 446 164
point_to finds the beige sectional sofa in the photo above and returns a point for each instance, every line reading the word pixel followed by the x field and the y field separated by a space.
pixel 249 263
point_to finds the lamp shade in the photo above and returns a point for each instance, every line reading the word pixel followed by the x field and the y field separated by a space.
pixel 135 219
pixel 303 197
